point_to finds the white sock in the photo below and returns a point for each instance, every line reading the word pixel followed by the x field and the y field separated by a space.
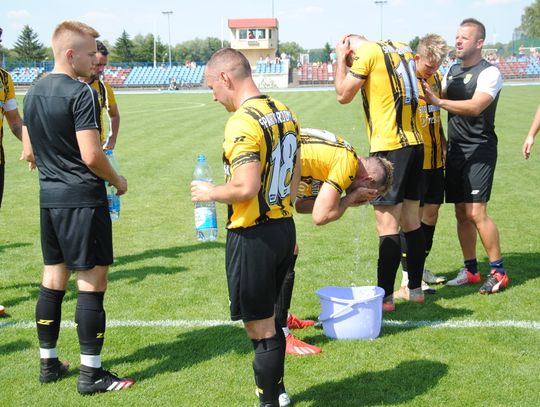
pixel 91 360
pixel 48 353
pixel 404 278
pixel 286 331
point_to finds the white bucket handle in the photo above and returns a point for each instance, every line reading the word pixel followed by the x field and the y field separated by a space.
pixel 346 309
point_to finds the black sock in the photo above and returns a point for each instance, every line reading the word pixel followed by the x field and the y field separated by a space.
pixel 268 367
pixel 388 262
pixel 498 265
pixel 471 265
pixel 48 316
pixel 416 255
pixel 403 244
pixel 283 302
pixel 90 319
pixel 429 232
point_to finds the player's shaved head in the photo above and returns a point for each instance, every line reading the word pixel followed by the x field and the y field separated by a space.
pixel 231 61
pixel 70 35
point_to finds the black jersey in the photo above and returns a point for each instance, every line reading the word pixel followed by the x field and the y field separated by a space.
pixel 55 108
pixel 461 84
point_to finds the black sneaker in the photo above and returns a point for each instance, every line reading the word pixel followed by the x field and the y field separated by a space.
pixel 98 380
pixel 51 370
pixel 495 282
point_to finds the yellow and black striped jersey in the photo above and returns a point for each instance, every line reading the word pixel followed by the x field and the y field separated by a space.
pixel 390 94
pixel 430 125
pixel 106 99
pixel 7 103
pixel 326 158
pixel 262 129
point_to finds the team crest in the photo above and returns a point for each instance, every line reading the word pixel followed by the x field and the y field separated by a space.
pixel 467 78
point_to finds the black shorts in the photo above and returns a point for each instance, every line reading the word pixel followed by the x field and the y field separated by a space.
pixel 408 163
pixel 469 178
pixel 2 174
pixel 433 186
pixel 256 260
pixel 81 238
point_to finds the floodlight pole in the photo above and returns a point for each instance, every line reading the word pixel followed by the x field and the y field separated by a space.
pixel 168 14
pixel 381 3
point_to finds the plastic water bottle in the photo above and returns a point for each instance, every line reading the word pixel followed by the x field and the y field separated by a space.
pixel 205 212
pixel 112 197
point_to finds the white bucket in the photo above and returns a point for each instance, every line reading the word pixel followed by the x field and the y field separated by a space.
pixel 351 312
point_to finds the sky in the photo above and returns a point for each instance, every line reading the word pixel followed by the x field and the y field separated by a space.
pixel 310 23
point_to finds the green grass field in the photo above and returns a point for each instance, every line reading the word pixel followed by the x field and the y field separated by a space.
pixel 459 349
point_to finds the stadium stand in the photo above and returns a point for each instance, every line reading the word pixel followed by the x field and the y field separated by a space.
pixel 264 68
pixel 25 75
pixel 512 68
pixel 147 76
pixel 315 74
pixel 116 76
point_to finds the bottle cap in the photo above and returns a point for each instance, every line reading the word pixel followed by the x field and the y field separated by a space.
pixel 201 157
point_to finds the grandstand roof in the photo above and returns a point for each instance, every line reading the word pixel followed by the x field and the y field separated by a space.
pixel 253 23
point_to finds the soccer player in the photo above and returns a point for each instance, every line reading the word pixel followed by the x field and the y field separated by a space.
pixel 107 100
pixel 385 74
pixel 533 131
pixel 8 108
pixel 330 167
pixel 431 52
pixel 260 153
pixel 61 135
pixel 470 94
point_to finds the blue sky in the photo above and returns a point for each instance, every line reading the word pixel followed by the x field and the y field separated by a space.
pixel 311 23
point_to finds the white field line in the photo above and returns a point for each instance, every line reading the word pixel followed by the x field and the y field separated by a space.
pixel 168 323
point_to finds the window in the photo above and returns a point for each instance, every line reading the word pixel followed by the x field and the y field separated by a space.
pixel 242 34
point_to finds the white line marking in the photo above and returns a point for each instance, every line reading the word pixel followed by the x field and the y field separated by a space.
pixel 194 323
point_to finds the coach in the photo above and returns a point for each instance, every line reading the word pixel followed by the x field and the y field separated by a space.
pixel 472 90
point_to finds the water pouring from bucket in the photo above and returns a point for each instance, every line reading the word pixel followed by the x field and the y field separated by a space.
pixel 351 312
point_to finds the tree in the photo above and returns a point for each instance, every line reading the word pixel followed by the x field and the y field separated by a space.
pixel 327 50
pixel 530 20
pixel 414 43
pixel 293 49
pixel 28 47
pixel 198 49
pixel 123 48
pixel 143 48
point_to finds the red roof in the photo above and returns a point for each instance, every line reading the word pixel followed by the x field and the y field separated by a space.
pixel 254 23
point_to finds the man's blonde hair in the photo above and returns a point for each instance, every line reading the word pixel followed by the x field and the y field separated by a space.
pixel 67 33
pixel 433 47
pixel 382 171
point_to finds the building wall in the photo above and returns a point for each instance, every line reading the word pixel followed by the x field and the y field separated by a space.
pixel 263 43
